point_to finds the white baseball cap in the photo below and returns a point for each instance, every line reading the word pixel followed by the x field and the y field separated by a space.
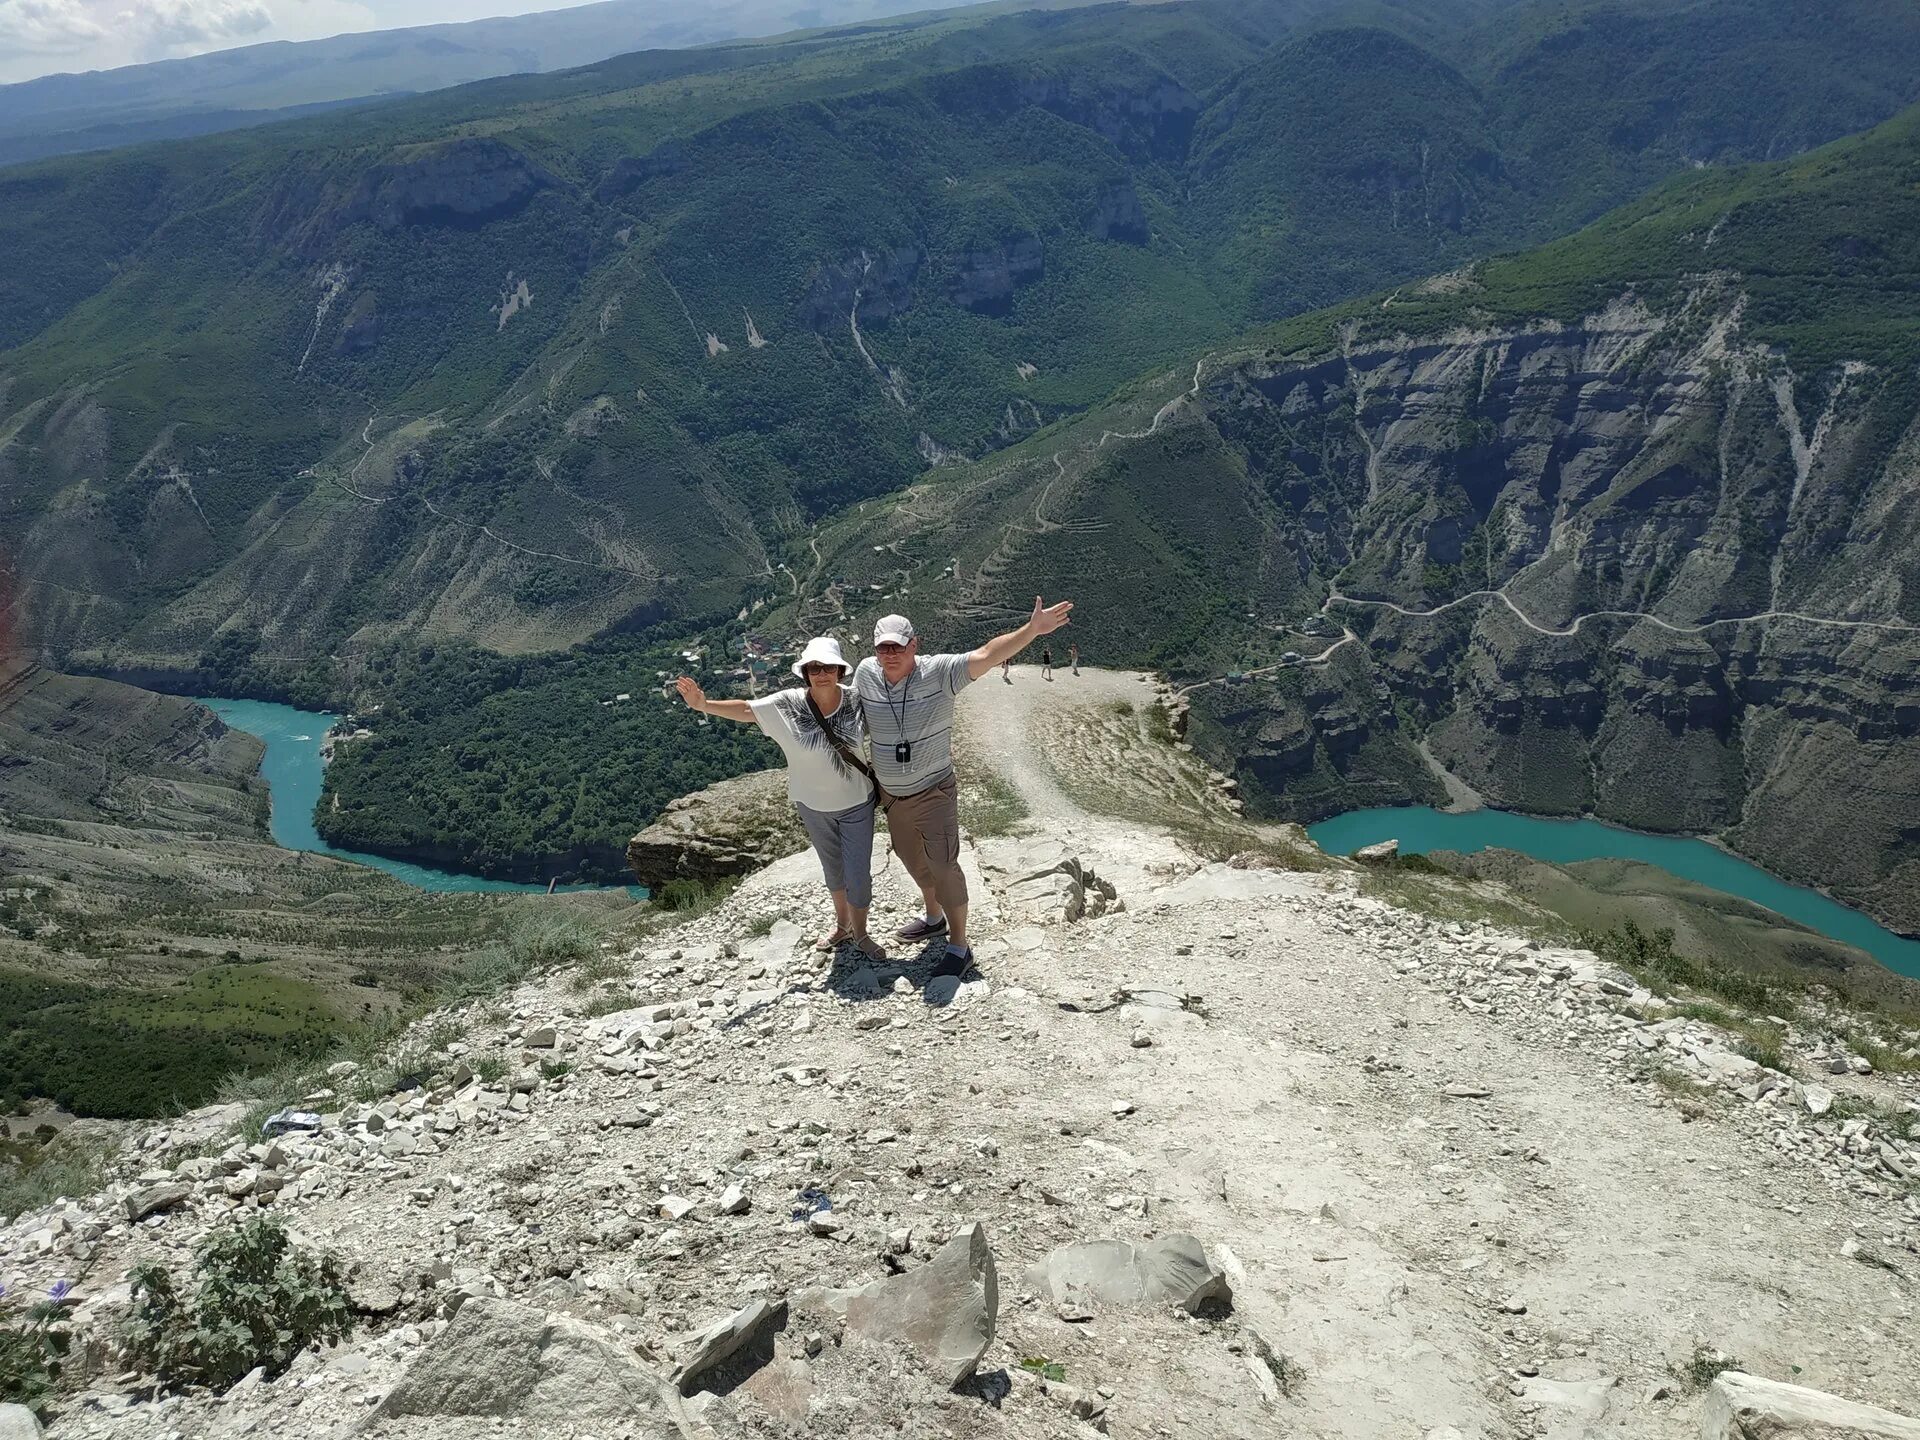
pixel 822 649
pixel 893 630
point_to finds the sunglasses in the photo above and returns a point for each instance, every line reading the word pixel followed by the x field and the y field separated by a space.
pixel 818 668
pixel 888 648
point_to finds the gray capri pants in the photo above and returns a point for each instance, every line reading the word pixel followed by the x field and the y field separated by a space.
pixel 843 839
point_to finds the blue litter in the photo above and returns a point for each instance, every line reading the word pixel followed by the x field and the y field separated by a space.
pixel 812 1202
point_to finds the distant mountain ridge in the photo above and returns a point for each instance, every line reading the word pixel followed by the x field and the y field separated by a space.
pixel 253 84
pixel 532 359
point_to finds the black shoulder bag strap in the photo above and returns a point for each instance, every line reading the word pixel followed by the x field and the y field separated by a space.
pixel 844 750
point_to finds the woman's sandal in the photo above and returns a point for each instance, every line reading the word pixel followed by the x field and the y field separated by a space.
pixel 832 940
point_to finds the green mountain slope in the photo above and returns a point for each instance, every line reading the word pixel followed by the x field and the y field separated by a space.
pixel 1700 410
pixel 254 84
pixel 542 357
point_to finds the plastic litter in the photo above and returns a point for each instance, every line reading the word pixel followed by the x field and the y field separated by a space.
pixel 283 1121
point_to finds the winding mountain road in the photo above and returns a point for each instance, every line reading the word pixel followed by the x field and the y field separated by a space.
pixel 1892 626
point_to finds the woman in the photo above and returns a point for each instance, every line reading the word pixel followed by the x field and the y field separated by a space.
pixel 821 731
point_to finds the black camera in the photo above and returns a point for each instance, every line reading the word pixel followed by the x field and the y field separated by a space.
pixel 903 753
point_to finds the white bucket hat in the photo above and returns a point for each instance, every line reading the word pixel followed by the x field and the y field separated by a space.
pixel 822 648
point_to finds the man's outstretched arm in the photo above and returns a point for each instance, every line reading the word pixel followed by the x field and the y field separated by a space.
pixel 1044 621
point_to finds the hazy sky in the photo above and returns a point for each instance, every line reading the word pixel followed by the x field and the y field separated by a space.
pixel 42 37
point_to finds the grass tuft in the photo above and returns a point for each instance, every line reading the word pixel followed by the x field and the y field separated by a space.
pixel 65 1167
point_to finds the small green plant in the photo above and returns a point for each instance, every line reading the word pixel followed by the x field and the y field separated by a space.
pixel 1651 959
pixel 1046 1369
pixel 554 1069
pixel 1764 1051
pixel 1675 1082
pixel 33 1346
pixel 544 938
pixel 489 1068
pixel 989 805
pixel 761 927
pixel 487 971
pixel 601 965
pixel 259 1301
pixel 608 1002
pixel 1707 1364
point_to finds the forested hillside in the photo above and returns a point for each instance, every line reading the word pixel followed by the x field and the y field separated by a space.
pixel 539 358
pixel 1681 446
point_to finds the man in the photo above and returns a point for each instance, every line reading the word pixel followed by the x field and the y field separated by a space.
pixel 908 701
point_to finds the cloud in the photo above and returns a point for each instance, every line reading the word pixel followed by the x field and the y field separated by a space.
pixel 50 27
pixel 90 34
pixel 197 23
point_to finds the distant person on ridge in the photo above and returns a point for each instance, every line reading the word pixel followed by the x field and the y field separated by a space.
pixel 1046 663
pixel 819 729
pixel 908 702
pixel 1073 658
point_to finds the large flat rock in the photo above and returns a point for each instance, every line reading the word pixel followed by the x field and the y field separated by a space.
pixel 1746 1407
pixel 944 1311
pixel 1173 1270
pixel 499 1359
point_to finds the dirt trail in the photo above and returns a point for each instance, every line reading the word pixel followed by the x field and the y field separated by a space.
pixel 1391 1234
pixel 1446 1197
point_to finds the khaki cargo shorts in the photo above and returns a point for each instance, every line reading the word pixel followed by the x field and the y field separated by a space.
pixel 926 836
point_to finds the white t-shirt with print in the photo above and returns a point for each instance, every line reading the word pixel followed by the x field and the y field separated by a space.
pixel 816 775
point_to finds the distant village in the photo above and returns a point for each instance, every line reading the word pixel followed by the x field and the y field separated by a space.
pixel 752 662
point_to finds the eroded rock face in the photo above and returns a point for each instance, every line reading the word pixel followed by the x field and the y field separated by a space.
pixel 474 178
pixel 1637 461
pixel 1118 214
pixel 984 280
pixel 630 172
pixel 876 284
pixel 732 828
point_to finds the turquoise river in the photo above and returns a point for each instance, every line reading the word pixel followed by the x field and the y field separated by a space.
pixel 293 767
pixel 1419 829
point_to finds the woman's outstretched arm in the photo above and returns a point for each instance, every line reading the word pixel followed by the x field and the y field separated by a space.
pixel 696 699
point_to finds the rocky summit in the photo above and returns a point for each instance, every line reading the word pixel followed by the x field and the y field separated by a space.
pixel 1254 1147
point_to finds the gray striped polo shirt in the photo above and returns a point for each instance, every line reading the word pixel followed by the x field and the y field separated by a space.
pixel 919 710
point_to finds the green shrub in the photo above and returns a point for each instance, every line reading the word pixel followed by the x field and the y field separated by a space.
pixel 692 897
pixel 32 1174
pixel 543 938
pixel 33 1347
pixel 259 1301
pixel 487 972
pixel 1652 960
